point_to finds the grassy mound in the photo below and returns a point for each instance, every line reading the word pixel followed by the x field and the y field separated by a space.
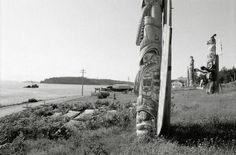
pixel 36 131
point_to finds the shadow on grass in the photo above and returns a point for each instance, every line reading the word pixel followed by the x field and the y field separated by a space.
pixel 206 134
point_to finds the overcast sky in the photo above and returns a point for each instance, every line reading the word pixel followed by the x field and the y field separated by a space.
pixel 51 38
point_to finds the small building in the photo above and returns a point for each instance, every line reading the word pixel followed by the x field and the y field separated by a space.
pixel 177 84
pixel 121 87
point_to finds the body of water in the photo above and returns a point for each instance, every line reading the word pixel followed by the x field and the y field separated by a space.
pixel 14 92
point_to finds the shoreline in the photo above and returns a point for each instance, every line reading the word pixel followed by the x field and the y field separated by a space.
pixel 27 102
pixel 7 110
pixel 17 107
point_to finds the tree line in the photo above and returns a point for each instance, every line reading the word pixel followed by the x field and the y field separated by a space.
pixel 227 75
pixel 84 80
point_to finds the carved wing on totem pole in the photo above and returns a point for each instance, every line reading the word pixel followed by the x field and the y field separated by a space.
pixel 163 120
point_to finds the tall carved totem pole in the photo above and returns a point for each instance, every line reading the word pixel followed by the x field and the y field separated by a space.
pixel 152 84
pixel 212 66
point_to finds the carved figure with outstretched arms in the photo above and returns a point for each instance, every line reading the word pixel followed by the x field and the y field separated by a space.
pixel 212 67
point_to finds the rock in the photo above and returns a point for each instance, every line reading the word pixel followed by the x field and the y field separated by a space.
pixel 86 115
pixel 75 125
pixel 72 114
pixel 112 111
pixel 111 114
pixel 56 114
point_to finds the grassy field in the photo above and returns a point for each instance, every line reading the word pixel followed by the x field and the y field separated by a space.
pixel 200 124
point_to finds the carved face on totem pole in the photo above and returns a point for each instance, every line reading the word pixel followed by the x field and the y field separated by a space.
pixel 211 57
pixel 147 2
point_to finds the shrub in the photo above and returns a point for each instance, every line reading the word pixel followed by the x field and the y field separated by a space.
pixel 32 100
pixel 114 105
pixel 31 127
pixel 44 111
pixel 102 95
pixel 81 106
pixel 100 103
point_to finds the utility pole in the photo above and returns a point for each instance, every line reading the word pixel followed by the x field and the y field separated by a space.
pixel 83 72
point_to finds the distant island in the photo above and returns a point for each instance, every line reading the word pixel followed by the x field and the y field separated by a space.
pixel 87 81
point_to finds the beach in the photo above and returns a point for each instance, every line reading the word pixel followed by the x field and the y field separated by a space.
pixel 14 97
pixel 12 92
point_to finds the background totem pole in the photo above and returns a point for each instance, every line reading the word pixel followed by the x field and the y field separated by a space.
pixel 187 84
pixel 147 83
pixel 212 66
pixel 191 72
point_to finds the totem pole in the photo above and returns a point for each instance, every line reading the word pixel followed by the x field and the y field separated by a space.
pixel 212 67
pixel 191 72
pixel 187 84
pixel 155 65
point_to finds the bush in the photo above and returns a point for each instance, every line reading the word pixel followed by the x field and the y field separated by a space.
pixel 103 94
pixel 32 127
pixel 114 105
pixel 82 106
pixel 101 103
pixel 44 111
pixel 32 100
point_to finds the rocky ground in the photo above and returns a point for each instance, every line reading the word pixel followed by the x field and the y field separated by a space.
pixel 62 120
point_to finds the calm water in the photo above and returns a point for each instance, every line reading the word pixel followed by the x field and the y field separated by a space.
pixel 13 92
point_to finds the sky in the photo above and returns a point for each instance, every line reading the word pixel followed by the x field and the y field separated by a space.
pixel 52 38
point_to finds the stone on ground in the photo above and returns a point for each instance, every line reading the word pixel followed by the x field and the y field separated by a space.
pixel 56 114
pixel 86 115
pixel 75 125
pixel 72 114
